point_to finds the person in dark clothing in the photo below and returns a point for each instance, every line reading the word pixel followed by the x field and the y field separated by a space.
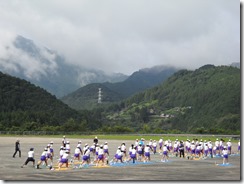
pixel 95 140
pixel 181 149
pixel 17 148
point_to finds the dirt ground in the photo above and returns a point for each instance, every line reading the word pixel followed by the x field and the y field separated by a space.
pixel 177 169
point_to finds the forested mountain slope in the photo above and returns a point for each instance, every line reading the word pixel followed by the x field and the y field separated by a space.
pixel 24 106
pixel 86 97
pixel 206 100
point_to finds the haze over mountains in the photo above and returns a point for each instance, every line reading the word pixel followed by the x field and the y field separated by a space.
pixel 48 69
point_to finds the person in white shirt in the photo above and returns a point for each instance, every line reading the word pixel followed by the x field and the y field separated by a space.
pixel 118 156
pixel 160 142
pixel 132 153
pixel 86 156
pixel 239 146
pixel 154 145
pixel 229 146
pixel 49 154
pixel 150 144
pixel 93 148
pixel 30 158
pixel 68 146
pixel 123 149
pixel 165 154
pixel 221 145
pixel 214 150
pixel 64 160
pixel 193 149
pixel 96 152
pixel 51 149
pixel 43 158
pixel 210 148
pixel 140 155
pixel 225 155
pixel 77 153
pixel 188 146
pixel 198 150
pixel 175 148
pixel 105 148
pixel 217 146
pixel 206 149
pixel 147 153
pixel 100 155
pixel 106 152
pixel 61 152
pixel 85 147
pixel 79 146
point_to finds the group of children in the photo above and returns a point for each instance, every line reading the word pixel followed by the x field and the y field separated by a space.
pixel 140 151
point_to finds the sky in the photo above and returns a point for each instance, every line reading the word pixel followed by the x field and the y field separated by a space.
pixel 124 36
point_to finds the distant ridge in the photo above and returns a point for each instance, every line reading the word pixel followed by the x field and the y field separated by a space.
pixel 86 97
pixel 48 69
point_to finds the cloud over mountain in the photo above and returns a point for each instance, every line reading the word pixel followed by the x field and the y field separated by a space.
pixel 124 36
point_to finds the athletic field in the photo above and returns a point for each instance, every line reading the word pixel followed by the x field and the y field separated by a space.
pixel 173 170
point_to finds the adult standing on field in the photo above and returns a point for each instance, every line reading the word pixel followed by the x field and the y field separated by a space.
pixel 64 142
pixel 95 140
pixel 181 149
pixel 17 148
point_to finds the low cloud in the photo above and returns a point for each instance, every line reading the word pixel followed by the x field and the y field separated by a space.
pixel 125 36
pixel 13 59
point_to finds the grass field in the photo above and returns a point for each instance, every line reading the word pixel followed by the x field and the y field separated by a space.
pixel 156 137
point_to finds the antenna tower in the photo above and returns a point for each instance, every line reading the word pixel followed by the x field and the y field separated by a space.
pixel 99 95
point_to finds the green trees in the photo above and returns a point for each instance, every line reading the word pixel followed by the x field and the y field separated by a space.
pixel 199 101
pixel 206 100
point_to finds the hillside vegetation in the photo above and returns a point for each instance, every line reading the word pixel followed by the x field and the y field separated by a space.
pixel 24 106
pixel 86 97
pixel 206 100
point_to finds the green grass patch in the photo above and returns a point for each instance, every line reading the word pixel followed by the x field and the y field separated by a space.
pixel 133 137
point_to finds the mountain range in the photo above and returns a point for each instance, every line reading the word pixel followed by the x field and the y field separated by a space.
pixel 46 68
pixel 87 97
pixel 206 100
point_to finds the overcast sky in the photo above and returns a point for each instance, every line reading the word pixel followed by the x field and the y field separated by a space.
pixel 127 35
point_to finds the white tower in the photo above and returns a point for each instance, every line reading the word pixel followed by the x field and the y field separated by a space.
pixel 99 95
